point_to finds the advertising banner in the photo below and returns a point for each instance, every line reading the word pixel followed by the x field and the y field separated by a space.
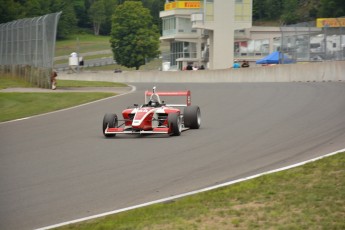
pixel 330 22
pixel 182 5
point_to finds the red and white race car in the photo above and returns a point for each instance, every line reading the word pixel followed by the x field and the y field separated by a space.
pixel 154 117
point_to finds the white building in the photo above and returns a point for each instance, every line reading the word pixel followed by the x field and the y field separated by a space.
pixel 202 32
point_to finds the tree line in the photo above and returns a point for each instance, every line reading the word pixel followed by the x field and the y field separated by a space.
pixel 288 12
pixel 95 15
pixel 77 15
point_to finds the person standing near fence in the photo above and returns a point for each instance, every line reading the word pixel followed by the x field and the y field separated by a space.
pixel 81 63
pixel 53 79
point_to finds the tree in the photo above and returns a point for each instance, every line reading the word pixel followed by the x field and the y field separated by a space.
pixel 35 8
pixel 109 6
pixel 273 9
pixel 134 38
pixel 82 16
pixel 332 8
pixel 155 7
pixel 289 13
pixel 97 15
pixel 258 10
pixel 68 20
pixel 9 10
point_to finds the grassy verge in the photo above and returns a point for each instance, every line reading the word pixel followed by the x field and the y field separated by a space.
pixel 308 197
pixel 19 105
pixel 11 82
pixel 82 43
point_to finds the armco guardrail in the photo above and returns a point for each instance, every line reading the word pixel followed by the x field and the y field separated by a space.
pixel 308 72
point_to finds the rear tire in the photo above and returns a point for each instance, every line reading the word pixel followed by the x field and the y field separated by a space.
pixel 192 117
pixel 174 121
pixel 109 120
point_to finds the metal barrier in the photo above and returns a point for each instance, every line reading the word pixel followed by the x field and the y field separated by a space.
pixel 27 48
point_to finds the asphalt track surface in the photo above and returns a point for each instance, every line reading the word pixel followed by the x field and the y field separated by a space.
pixel 59 167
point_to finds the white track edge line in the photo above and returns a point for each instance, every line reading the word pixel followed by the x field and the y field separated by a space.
pixel 77 106
pixel 188 193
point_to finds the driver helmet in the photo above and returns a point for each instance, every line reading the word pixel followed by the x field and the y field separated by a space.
pixel 153 103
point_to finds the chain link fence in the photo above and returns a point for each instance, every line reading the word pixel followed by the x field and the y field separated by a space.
pixel 27 48
pixel 310 42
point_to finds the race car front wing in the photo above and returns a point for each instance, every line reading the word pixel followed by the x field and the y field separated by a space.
pixel 158 130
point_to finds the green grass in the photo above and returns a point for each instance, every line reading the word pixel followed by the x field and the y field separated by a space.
pixel 19 105
pixel 82 43
pixel 308 197
pixel 11 82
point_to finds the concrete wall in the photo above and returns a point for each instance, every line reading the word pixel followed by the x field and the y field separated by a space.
pixel 318 72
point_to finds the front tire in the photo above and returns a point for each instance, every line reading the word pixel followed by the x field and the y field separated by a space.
pixel 192 117
pixel 110 121
pixel 175 125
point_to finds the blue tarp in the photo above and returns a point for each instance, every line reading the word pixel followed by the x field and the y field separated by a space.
pixel 275 58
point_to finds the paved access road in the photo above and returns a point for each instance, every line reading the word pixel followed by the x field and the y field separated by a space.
pixel 59 167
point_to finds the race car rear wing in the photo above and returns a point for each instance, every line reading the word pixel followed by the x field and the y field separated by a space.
pixel 149 95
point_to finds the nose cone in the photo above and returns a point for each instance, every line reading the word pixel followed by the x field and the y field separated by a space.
pixel 143 119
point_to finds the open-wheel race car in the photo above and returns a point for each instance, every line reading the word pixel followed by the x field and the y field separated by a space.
pixel 154 117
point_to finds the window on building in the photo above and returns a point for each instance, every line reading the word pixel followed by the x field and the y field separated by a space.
pixel 182 50
pixel 172 25
pixel 169 26
pixel 176 51
pixel 185 25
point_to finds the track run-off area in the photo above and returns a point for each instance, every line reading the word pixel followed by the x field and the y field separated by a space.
pixel 59 167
